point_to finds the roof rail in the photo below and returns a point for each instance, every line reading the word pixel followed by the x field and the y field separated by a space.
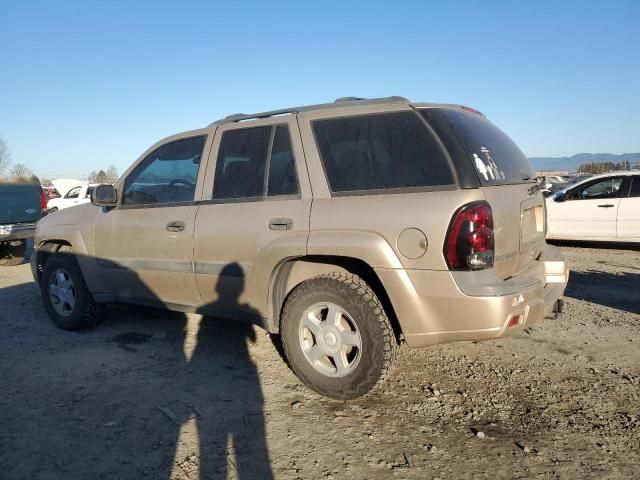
pixel 239 117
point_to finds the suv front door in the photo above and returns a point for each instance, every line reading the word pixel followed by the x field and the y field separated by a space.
pixel 587 211
pixel 144 246
pixel 254 214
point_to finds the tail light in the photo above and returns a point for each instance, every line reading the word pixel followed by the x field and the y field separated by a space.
pixel 43 202
pixel 469 243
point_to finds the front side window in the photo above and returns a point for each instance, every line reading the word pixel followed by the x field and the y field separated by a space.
pixel 606 188
pixel 73 193
pixel 167 175
pixel 380 152
pixel 248 156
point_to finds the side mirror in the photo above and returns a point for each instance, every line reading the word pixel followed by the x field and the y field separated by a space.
pixel 559 197
pixel 104 196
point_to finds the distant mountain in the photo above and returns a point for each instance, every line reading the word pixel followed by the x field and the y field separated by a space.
pixel 572 163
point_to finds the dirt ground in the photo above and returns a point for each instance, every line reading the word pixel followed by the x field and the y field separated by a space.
pixel 155 395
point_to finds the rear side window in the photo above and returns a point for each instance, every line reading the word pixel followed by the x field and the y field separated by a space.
pixel 166 175
pixel 635 186
pixel 496 158
pixel 282 170
pixel 381 152
pixel 241 163
pixel 246 154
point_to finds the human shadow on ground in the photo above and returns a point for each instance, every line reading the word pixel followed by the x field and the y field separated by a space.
pixel 148 394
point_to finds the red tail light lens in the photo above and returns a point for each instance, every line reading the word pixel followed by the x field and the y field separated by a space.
pixel 43 202
pixel 469 243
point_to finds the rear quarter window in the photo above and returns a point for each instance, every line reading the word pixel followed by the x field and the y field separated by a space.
pixel 390 151
pixel 495 157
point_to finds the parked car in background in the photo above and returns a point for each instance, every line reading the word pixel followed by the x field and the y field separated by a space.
pixel 51 192
pixel 345 227
pixel 75 196
pixel 21 206
pixel 603 207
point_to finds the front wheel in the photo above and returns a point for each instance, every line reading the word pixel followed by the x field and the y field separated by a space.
pixel 65 295
pixel 337 337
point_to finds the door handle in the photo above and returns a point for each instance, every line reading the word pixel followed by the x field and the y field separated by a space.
pixel 175 226
pixel 280 224
pixel 606 205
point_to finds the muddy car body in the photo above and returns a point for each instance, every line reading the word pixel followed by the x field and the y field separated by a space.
pixel 347 228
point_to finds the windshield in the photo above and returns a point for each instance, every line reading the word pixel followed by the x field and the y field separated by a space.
pixel 496 158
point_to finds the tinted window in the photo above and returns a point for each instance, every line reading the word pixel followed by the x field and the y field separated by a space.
pixel 635 186
pixel 89 192
pixel 385 151
pixel 241 163
pixel 606 188
pixel 497 159
pixel 166 175
pixel 282 170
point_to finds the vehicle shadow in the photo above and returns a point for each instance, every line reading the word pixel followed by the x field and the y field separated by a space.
pixel 619 291
pixel 148 394
pixel 594 244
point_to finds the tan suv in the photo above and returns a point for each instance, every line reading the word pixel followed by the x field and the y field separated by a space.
pixel 347 228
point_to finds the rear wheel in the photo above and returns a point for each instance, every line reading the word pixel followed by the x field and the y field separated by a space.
pixel 337 337
pixel 12 253
pixel 65 295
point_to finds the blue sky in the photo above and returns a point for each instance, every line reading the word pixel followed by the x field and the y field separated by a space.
pixel 87 84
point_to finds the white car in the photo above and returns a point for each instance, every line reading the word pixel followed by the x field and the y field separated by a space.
pixel 604 207
pixel 75 196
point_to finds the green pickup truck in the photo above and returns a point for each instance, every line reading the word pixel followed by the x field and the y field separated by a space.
pixel 21 206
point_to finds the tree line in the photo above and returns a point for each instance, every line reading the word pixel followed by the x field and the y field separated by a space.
pixel 605 167
pixel 20 173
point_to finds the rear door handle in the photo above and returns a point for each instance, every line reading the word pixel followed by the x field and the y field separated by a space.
pixel 175 226
pixel 606 205
pixel 280 224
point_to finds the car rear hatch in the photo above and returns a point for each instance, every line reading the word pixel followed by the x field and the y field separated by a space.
pixel 19 203
pixel 509 186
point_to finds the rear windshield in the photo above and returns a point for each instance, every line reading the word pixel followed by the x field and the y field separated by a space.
pixel 381 152
pixel 496 158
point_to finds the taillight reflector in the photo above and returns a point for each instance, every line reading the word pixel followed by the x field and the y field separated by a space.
pixel 514 321
pixel 43 202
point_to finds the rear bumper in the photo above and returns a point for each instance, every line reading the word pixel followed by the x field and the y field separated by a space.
pixel 440 306
pixel 17 231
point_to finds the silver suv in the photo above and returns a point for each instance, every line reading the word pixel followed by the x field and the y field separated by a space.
pixel 346 228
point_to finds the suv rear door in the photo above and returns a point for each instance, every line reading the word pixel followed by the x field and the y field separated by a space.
pixel 254 214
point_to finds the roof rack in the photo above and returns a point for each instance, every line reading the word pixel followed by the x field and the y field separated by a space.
pixel 343 101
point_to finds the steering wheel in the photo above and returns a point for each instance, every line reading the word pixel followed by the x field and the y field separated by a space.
pixel 182 181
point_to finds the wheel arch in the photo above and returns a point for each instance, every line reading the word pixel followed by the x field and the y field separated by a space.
pixel 292 272
pixel 45 250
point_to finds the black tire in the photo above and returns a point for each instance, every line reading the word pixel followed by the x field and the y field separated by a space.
pixel 86 312
pixel 12 253
pixel 378 343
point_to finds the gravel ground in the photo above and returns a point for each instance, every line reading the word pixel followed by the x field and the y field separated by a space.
pixel 150 394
